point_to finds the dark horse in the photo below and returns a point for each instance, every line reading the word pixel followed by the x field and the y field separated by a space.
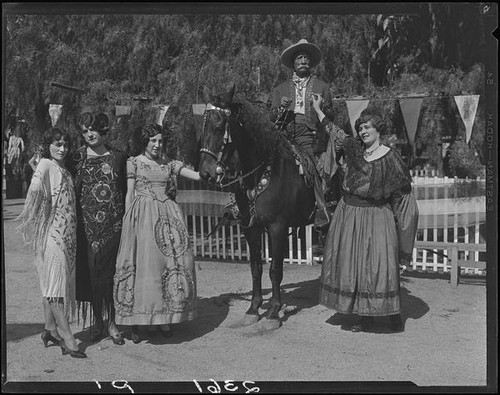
pixel 271 194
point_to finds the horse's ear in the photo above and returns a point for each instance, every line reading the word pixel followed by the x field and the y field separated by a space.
pixel 228 95
pixel 207 95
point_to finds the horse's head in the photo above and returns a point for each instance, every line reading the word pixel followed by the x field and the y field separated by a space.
pixel 216 148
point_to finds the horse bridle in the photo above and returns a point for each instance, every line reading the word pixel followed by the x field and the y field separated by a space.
pixel 226 140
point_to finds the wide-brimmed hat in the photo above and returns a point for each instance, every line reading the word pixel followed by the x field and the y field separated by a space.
pixel 287 56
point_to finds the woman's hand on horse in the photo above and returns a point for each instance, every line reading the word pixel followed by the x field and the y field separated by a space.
pixel 317 101
pixel 191 174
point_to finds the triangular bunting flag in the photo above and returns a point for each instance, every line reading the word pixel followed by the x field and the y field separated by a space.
pixel 444 149
pixel 86 109
pixel 162 110
pixel 467 106
pixel 410 108
pixel 198 111
pixel 55 111
pixel 120 111
pixel 355 108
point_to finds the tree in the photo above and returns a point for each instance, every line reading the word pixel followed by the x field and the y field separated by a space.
pixel 168 59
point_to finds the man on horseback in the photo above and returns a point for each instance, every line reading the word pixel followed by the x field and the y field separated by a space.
pixel 293 113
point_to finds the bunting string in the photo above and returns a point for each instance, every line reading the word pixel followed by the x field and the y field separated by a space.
pixel 410 108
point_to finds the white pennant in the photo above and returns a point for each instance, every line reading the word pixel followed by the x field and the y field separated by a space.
pixel 355 108
pixel 444 149
pixel 162 110
pixel 55 111
pixel 120 111
pixel 467 106
pixel 199 109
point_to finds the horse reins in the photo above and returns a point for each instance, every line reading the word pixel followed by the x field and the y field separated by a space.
pixel 220 169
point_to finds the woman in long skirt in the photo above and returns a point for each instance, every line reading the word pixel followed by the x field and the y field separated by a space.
pixel 155 281
pixel 100 177
pixel 372 230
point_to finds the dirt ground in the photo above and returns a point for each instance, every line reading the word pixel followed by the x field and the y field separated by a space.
pixel 444 343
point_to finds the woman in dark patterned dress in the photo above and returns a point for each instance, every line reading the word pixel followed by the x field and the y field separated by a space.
pixel 372 230
pixel 155 281
pixel 100 178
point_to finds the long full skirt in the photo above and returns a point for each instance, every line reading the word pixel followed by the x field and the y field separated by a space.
pixel 155 280
pixel 360 272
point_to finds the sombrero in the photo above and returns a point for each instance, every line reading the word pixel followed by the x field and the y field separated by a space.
pixel 287 56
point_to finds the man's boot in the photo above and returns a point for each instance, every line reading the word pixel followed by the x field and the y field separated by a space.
pixel 229 216
pixel 321 220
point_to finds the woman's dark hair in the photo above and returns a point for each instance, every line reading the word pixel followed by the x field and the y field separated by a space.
pixel 140 137
pixel 148 131
pixel 375 119
pixel 97 122
pixel 52 135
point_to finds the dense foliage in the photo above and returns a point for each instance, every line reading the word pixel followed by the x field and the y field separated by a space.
pixel 143 60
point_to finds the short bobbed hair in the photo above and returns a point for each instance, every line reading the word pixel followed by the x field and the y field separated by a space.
pixel 96 122
pixel 52 135
pixel 375 119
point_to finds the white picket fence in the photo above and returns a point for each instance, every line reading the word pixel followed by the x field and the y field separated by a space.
pixel 432 250
pixel 449 226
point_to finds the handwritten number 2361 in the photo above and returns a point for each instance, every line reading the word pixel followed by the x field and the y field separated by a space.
pixel 229 385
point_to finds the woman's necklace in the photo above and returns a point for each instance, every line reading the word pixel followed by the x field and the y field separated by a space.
pixel 367 153
pixel 158 161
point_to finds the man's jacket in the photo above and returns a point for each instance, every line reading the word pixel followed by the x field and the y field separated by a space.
pixel 314 86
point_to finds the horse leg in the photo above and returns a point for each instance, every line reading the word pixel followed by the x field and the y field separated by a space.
pixel 278 234
pixel 253 236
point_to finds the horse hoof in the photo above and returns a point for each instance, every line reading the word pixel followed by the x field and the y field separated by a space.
pixel 247 320
pixel 270 324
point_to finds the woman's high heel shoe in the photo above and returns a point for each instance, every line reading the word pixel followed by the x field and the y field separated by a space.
pixel 74 353
pixel 118 339
pixel 47 337
pixel 363 324
pixel 135 335
pixel 166 333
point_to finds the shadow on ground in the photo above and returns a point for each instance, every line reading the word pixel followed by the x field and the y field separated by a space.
pixel 15 332
pixel 211 313
pixel 413 308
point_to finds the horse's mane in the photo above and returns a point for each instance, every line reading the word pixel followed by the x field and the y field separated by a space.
pixel 258 126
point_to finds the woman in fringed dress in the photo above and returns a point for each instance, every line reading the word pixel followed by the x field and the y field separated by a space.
pixel 48 224
pixel 372 230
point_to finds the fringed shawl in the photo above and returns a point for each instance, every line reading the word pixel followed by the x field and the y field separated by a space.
pixel 39 206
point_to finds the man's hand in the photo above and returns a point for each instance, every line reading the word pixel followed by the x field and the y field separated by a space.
pixel 285 101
